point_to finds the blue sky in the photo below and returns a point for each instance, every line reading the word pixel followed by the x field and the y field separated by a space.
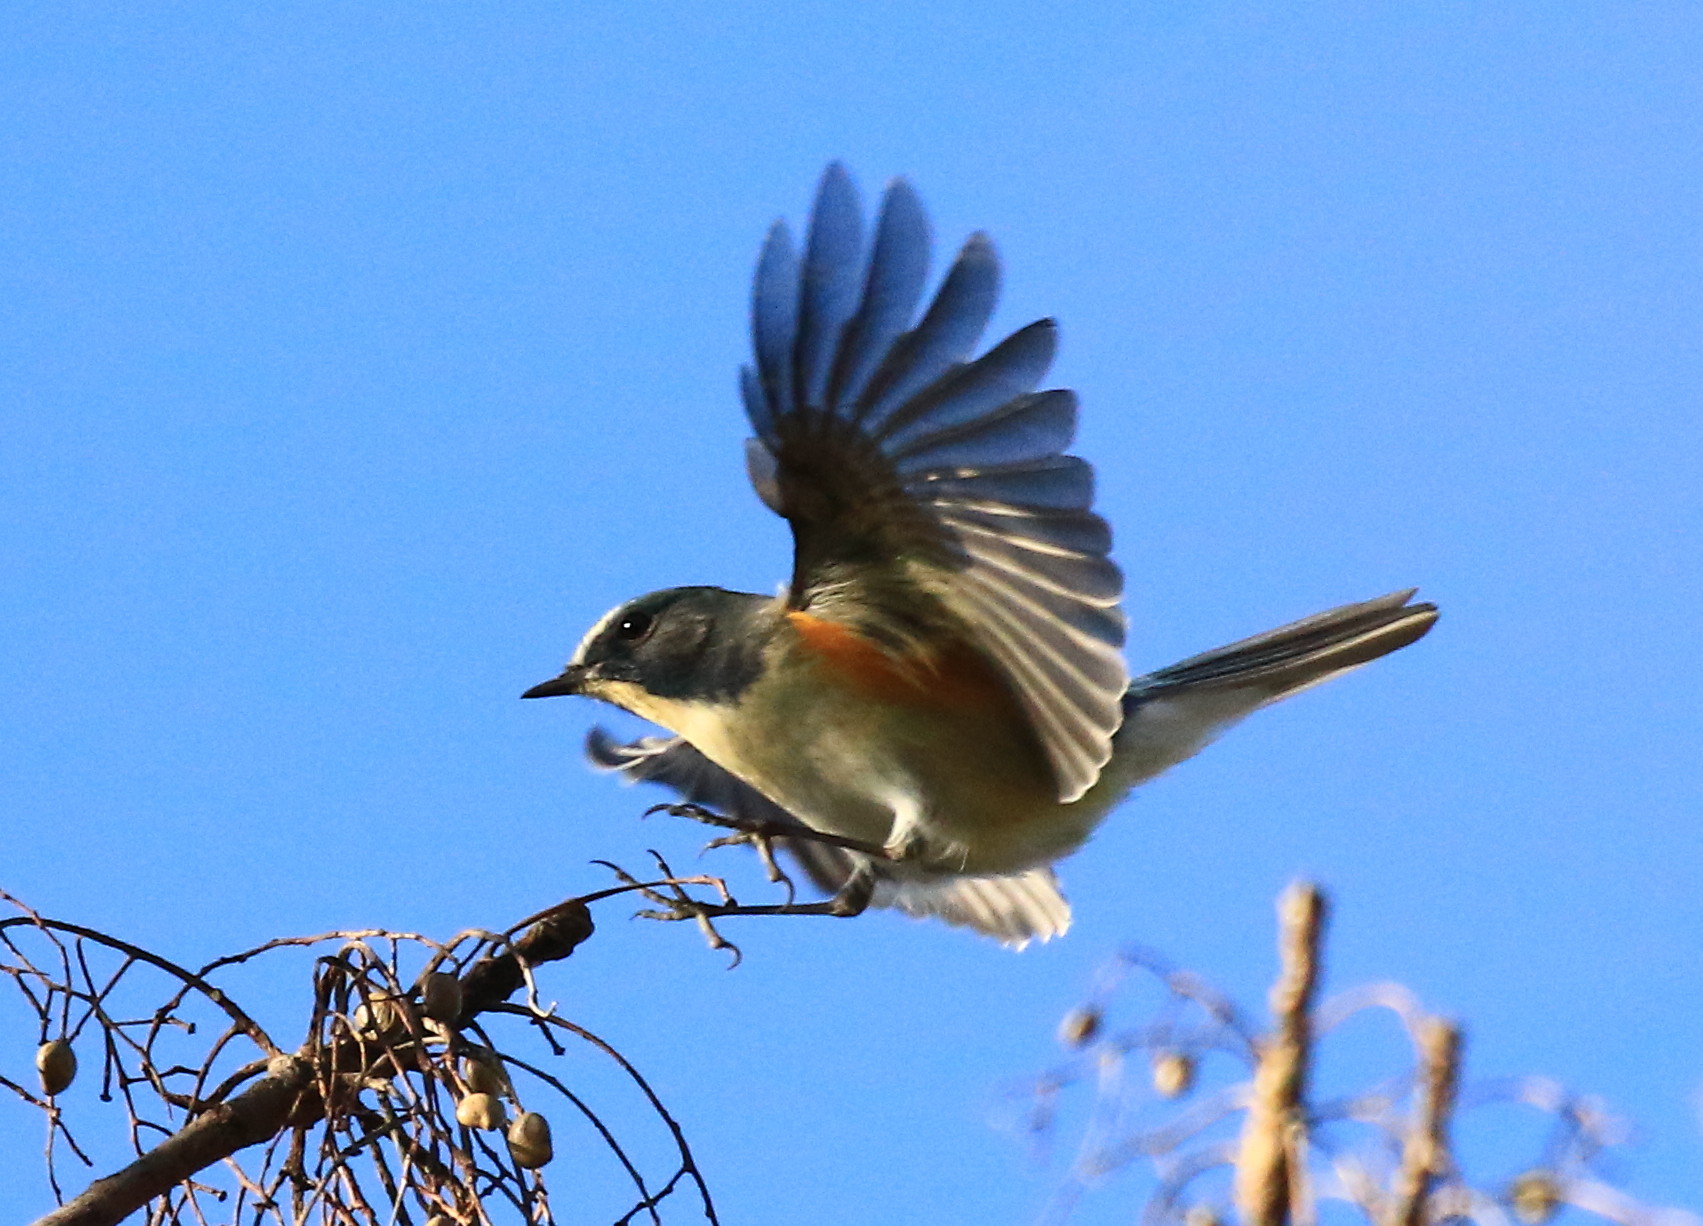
pixel 353 359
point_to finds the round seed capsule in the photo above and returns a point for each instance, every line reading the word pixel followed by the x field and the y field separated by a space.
pixel 480 1111
pixel 440 997
pixel 529 1141
pixel 378 1015
pixel 1535 1196
pixel 1202 1215
pixel 1173 1074
pixel 1079 1027
pixel 57 1064
pixel 484 1076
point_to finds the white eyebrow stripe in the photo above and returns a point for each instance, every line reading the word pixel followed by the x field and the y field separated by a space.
pixel 591 635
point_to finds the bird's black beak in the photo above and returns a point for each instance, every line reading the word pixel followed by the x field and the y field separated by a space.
pixel 570 682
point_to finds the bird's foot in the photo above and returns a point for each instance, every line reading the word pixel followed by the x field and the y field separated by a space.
pixel 748 829
pixel 754 832
pixel 676 905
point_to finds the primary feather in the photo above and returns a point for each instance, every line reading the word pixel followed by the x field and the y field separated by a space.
pixel 929 492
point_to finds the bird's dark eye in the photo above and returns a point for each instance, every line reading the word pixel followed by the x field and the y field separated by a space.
pixel 633 627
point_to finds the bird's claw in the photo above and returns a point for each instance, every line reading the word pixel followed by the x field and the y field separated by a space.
pixel 762 841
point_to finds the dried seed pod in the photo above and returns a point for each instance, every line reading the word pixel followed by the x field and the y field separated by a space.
pixel 57 1064
pixel 440 1219
pixel 1535 1196
pixel 484 1075
pixel 379 1014
pixel 440 997
pixel 1173 1073
pixel 1202 1215
pixel 480 1111
pixel 1079 1027
pixel 529 1141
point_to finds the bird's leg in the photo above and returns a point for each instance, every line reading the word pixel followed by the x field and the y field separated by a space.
pixel 910 841
pixel 853 899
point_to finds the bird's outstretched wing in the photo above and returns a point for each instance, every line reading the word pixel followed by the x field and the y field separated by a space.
pixel 928 492
pixel 1014 910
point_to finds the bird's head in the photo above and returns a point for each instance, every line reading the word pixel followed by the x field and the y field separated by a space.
pixel 683 645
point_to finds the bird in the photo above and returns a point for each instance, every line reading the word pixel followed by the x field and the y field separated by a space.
pixel 935 710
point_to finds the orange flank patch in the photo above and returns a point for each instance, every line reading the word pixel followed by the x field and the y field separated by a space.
pixel 958 677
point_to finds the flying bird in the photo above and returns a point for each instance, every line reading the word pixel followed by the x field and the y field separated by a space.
pixel 941 687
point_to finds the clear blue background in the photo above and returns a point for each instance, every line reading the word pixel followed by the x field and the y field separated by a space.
pixel 354 358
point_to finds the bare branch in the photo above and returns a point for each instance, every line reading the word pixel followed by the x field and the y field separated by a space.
pixel 1425 1154
pixel 1265 1180
pixel 368 1040
pixel 255 1115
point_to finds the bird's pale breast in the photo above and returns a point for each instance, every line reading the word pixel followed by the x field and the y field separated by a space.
pixel 864 747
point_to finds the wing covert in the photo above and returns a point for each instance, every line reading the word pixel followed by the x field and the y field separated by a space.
pixel 929 490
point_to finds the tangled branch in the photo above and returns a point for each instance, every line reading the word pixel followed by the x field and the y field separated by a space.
pixel 1221 1112
pixel 412 1091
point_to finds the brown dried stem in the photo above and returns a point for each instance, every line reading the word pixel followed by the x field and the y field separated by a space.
pixel 1425 1149
pixel 1269 1175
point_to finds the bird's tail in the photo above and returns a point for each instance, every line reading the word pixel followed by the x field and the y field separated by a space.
pixel 1292 658
pixel 1171 714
